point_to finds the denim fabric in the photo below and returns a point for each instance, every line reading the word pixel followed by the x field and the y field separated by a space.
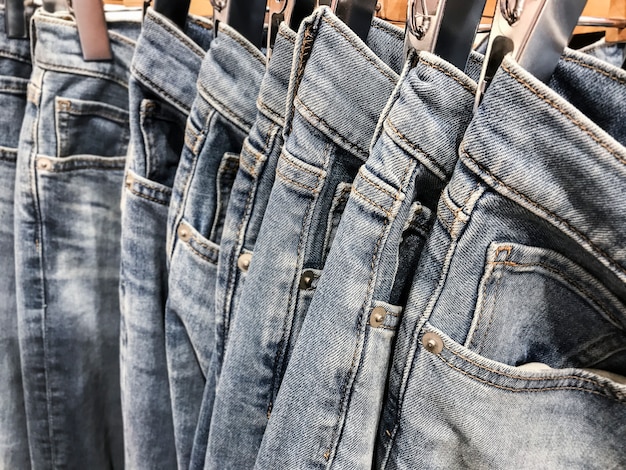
pixel 330 120
pixel 334 384
pixel 221 116
pixel 67 234
pixel 246 206
pixel 162 87
pixel 516 318
pixel 15 69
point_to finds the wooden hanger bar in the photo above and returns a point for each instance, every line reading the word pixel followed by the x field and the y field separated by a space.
pixel 617 9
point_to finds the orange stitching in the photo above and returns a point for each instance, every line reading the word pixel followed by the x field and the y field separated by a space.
pixel 540 207
pixel 565 113
pixel 415 147
pixel 566 278
pixel 300 166
pixel 289 180
pixel 357 48
pixel 395 196
pixel 467 87
pixel 141 195
pixel 375 204
pixel 596 69
pixel 253 51
pixel 263 106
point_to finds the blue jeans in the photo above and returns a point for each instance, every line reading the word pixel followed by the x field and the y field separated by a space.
pixel 67 237
pixel 15 69
pixel 514 327
pixel 334 384
pixel 162 87
pixel 330 119
pixel 221 117
pixel 246 207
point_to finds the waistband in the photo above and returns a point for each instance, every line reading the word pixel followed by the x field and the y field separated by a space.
pixel 16 49
pixel 273 94
pixel 56 45
pixel 167 61
pixel 341 84
pixel 230 77
pixel 430 115
pixel 532 146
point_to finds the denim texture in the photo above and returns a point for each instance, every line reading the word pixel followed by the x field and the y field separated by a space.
pixel 334 384
pixel 162 87
pixel 67 244
pixel 221 116
pixel 516 319
pixel 246 207
pixel 15 69
pixel 330 119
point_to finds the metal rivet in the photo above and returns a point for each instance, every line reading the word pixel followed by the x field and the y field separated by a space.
pixel 243 263
pixel 184 233
pixel 65 105
pixel 129 181
pixel 44 164
pixel 377 317
pixel 307 278
pixel 432 342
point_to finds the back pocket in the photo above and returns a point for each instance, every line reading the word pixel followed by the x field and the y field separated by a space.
pixel 90 128
pixel 535 305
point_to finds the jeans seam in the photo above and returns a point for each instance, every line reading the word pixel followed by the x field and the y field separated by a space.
pixel 141 195
pixel 543 209
pixel 296 183
pixel 428 63
pixel 161 91
pixel 565 113
pixel 253 51
pixel 230 114
pixel 386 211
pixel 606 73
pixel 79 71
pixel 189 44
pixel 358 48
pixel 330 128
pixel 294 161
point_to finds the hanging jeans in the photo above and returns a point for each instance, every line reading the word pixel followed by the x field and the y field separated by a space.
pixel 162 87
pixel 221 116
pixel 512 343
pixel 246 207
pixel 15 69
pixel 330 120
pixel 67 244
pixel 334 384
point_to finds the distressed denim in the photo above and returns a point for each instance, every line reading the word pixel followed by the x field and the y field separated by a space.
pixel 334 384
pixel 221 116
pixel 162 87
pixel 330 119
pixel 246 207
pixel 70 164
pixel 515 324
pixel 15 69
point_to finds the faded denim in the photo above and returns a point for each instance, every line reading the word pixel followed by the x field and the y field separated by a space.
pixel 162 87
pixel 330 119
pixel 15 69
pixel 221 116
pixel 334 384
pixel 67 244
pixel 515 325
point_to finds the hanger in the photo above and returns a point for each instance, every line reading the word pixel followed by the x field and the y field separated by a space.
pixel 535 32
pixel 245 16
pixel 92 29
pixel 291 12
pixel 16 18
pixel 174 10
pixel 357 14
pixel 444 27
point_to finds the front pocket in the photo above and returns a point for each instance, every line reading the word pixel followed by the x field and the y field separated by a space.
pixel 535 305
pixel 90 128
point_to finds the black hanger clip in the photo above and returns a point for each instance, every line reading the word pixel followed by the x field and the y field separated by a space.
pixel 17 16
pixel 291 12
pixel 444 27
pixel 534 32
pixel 247 17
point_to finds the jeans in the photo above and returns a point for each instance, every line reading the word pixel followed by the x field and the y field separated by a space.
pixel 334 384
pixel 67 237
pixel 162 87
pixel 221 117
pixel 15 69
pixel 330 119
pixel 246 207
pixel 514 327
